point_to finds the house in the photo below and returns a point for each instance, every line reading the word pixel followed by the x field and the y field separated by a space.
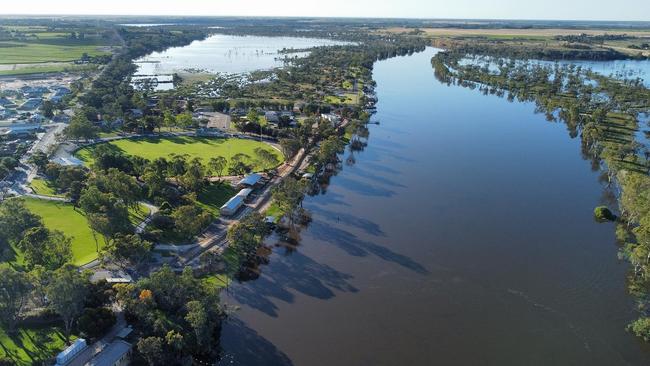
pixel 286 114
pixel 68 161
pixel 6 113
pixel 332 118
pixel 232 206
pixel 250 180
pixel 218 120
pixel 117 353
pixel 31 104
pixel 62 91
pixel 7 103
pixel 34 91
pixel 61 118
pixel 272 117
pixel 69 353
pixel 136 113
pixel 37 118
pixel 297 107
pixel 20 130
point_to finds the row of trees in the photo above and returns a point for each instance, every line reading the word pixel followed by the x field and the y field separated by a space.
pixel 604 112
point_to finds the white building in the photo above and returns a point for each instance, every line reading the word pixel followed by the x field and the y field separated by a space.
pixel 232 206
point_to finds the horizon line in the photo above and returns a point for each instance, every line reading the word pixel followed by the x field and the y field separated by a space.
pixel 318 17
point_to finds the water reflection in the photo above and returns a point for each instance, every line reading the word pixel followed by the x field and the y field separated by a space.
pixel 465 222
pixel 252 348
pixel 298 273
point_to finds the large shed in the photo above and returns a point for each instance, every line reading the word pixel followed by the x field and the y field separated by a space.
pixel 232 206
pixel 250 180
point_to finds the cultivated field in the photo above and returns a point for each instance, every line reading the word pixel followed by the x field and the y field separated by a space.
pixel 518 33
pixel 28 53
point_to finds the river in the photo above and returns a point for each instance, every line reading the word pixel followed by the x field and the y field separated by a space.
pixel 462 235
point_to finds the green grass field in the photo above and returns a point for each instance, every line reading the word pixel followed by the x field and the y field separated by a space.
pixel 348 98
pixel 63 217
pixel 27 52
pixel 212 197
pixel 32 345
pixel 47 68
pixel 43 187
pixel 202 147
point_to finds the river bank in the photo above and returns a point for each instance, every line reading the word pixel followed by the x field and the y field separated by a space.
pixel 456 226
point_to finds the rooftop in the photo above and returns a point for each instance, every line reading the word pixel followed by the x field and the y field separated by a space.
pixel 110 355
pixel 250 180
pixel 233 203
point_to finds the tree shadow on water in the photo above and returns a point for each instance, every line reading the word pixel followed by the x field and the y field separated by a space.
pixel 350 220
pixel 296 272
pixel 244 346
pixel 363 188
pixel 352 245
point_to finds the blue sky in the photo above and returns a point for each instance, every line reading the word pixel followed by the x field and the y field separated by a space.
pixel 475 9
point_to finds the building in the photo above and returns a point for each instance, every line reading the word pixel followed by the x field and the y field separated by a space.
pixel 245 192
pixel 250 180
pixel 68 161
pixel 37 118
pixel 62 91
pixel 6 113
pixel 71 352
pixel 31 104
pixel 18 130
pixel 118 353
pixel 7 103
pixel 272 117
pixel 218 120
pixel 332 118
pixel 232 206
pixel 136 113
pixel 61 118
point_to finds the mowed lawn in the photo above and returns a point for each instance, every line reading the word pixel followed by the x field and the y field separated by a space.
pixel 62 216
pixel 31 345
pixel 202 147
pixel 213 196
pixel 43 187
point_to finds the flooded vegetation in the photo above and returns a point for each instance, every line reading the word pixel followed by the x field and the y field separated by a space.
pixel 226 54
pixel 452 224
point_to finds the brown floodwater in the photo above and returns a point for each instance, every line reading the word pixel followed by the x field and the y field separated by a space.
pixel 462 235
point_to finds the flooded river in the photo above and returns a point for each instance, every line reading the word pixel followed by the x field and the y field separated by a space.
pixel 462 235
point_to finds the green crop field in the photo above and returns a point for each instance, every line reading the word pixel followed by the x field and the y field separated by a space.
pixel 27 52
pixel 42 68
pixel 62 216
pixel 201 147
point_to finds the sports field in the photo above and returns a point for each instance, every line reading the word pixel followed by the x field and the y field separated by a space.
pixel 201 147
